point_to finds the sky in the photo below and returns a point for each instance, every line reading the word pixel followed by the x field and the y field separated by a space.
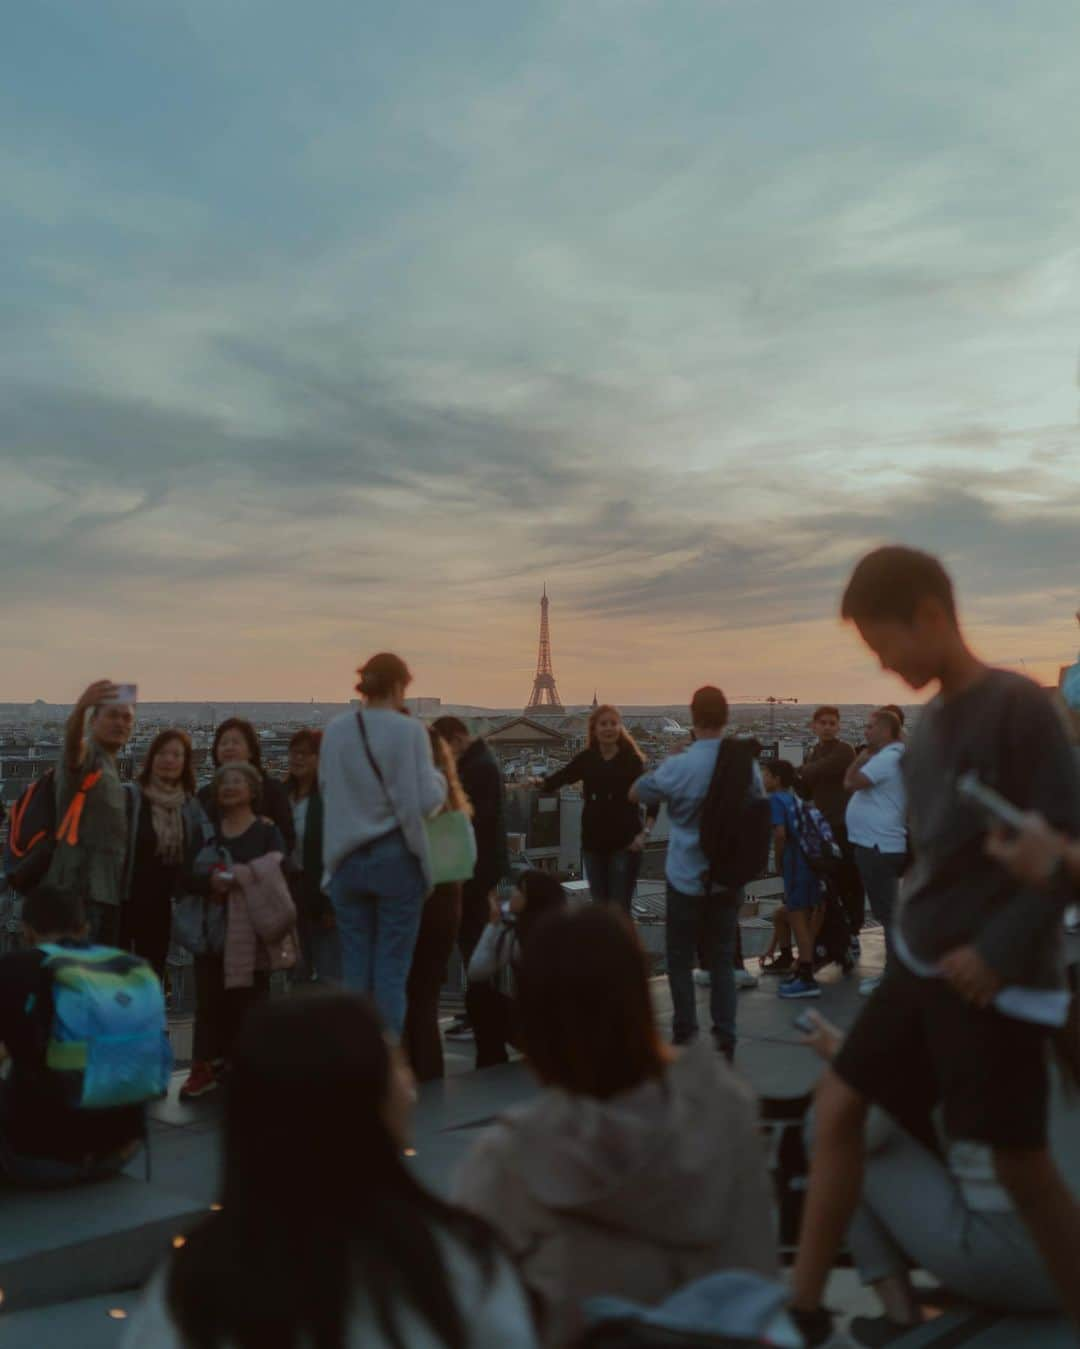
pixel 340 327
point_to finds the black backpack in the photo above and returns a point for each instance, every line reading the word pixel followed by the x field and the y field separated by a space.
pixel 736 822
pixel 31 839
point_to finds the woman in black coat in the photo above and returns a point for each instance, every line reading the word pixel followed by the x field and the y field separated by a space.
pixel 612 832
pixel 235 741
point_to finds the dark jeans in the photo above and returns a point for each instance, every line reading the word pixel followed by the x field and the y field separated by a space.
pixel 219 1012
pixel 713 920
pixel 881 872
pixel 145 926
pixel 438 931
pixel 474 916
pixel 848 882
pixel 320 950
pixel 613 876
pixel 494 1019
pixel 49 1172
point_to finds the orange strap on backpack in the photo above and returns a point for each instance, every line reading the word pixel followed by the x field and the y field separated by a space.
pixel 68 831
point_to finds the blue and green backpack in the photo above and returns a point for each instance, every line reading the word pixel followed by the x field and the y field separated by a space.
pixel 103 1018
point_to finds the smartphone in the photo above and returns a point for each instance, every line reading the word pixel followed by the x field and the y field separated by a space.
pixel 804 1023
pixel 125 693
pixel 971 788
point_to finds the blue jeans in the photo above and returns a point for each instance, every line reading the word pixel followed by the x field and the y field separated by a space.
pixel 378 896
pixel 712 920
pixel 613 876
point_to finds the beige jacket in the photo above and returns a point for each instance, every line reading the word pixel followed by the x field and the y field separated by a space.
pixel 633 1197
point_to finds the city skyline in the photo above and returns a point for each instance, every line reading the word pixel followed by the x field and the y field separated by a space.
pixel 344 329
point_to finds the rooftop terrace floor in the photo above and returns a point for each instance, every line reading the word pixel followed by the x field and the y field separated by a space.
pixel 69 1259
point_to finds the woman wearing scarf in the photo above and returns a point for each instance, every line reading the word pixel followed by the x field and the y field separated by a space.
pixel 165 817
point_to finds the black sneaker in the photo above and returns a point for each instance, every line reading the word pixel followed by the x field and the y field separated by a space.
pixel 684 1037
pixel 783 963
pixel 816 1327
pixel 459 1029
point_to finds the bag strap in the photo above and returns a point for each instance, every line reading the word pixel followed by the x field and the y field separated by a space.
pixel 375 763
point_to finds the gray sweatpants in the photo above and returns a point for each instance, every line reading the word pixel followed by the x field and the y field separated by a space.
pixel 913 1211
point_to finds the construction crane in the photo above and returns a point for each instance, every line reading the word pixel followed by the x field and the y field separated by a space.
pixel 771 702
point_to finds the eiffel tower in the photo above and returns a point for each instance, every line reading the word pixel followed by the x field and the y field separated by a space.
pixel 545 696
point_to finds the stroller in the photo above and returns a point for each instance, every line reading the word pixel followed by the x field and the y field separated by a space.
pixel 835 943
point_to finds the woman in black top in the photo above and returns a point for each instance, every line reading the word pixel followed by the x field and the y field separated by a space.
pixel 235 741
pixel 612 835
pixel 242 835
pixel 166 819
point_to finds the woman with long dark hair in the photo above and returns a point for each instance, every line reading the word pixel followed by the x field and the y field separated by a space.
pixel 637 1169
pixel 612 832
pixel 166 819
pixel 439 925
pixel 241 836
pixel 490 998
pixel 379 784
pixel 320 950
pixel 324 1240
pixel 236 741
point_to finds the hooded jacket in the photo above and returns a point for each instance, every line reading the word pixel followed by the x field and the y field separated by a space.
pixel 634 1196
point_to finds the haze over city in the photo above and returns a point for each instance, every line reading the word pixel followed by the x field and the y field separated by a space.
pixel 357 335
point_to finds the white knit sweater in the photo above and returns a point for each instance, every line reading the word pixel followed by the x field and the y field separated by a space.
pixel 356 809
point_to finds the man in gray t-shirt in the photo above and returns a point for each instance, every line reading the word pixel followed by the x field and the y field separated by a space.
pixel 964 1015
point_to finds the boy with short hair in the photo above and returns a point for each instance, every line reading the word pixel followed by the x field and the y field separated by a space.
pixel 802 887
pixel 977 987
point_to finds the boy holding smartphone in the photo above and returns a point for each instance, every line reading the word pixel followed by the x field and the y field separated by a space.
pixel 978 985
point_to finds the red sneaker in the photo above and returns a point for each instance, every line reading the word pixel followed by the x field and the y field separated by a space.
pixel 200 1080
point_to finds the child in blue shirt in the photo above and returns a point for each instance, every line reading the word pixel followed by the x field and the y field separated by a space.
pixel 801 914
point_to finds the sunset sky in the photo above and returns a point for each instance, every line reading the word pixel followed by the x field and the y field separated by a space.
pixel 340 326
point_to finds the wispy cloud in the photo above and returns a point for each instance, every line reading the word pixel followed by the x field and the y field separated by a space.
pixel 348 327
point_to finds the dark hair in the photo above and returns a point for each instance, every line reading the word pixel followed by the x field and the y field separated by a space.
pixel 317 1203
pixel 543 895
pixel 163 738
pixel 450 727
pixel 709 709
pixel 825 710
pixel 254 781
pixel 890 583
pixel 781 769
pixel 627 743
pixel 897 711
pixel 247 731
pixel 587 1021
pixel 49 910
pixel 381 674
pixel 308 738
pixel 456 796
pixel 890 719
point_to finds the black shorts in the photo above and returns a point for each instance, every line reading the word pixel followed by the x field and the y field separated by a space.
pixel 918 1041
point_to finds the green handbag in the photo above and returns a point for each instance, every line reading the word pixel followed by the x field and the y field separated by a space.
pixel 452 846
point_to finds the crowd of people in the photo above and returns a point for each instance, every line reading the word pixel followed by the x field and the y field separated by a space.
pixel 637 1170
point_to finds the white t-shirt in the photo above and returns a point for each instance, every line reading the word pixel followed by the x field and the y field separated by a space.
pixel 299 816
pixel 877 815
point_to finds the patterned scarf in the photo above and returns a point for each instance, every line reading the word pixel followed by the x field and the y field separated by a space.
pixel 166 804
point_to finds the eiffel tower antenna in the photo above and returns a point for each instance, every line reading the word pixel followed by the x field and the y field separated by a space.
pixel 545 696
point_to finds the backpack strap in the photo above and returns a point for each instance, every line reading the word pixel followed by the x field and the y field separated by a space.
pixel 68 830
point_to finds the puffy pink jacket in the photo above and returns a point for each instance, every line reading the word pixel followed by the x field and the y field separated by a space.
pixel 261 930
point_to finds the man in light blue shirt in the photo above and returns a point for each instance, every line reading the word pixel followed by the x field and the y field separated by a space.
pixel 683 782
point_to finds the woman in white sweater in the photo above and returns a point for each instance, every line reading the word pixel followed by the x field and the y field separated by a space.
pixel 379 783
pixel 323 1237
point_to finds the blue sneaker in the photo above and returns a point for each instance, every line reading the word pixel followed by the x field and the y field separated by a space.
pixel 799 987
